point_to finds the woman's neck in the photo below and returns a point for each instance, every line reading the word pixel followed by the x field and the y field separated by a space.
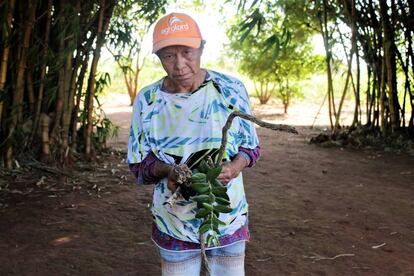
pixel 180 87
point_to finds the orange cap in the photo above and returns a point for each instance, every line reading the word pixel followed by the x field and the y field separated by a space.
pixel 176 29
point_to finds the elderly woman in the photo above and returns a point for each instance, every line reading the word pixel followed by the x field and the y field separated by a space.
pixel 178 120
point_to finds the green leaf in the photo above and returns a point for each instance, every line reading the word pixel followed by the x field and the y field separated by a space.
pixel 201 213
pixel 219 222
pixel 204 228
pixel 201 188
pixel 203 167
pixel 222 201
pixel 216 213
pixel 217 183
pixel 208 206
pixel 215 228
pixel 213 173
pixel 216 241
pixel 219 191
pixel 212 198
pixel 209 240
pixel 201 198
pixel 224 196
pixel 198 178
pixel 223 209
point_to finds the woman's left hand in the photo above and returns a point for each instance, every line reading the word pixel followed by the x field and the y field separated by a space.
pixel 232 169
pixel 228 172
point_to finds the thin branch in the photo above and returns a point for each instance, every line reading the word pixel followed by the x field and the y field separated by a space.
pixel 203 251
pixel 318 257
pixel 277 127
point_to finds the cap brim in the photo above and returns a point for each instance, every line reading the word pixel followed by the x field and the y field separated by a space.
pixel 189 42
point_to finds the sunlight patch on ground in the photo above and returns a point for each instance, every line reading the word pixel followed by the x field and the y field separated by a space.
pixel 300 113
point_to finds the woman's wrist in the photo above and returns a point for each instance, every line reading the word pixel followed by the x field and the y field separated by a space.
pixel 161 169
pixel 238 164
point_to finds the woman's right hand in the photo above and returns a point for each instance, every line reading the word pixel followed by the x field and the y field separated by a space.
pixel 177 175
pixel 172 180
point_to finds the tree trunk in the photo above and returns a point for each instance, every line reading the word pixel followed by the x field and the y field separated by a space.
pixel 323 24
pixel 357 111
pixel 391 69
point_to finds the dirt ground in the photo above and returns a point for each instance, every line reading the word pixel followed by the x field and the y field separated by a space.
pixel 313 211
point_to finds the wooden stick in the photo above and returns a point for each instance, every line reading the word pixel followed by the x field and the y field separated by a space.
pixel 317 257
pixel 276 127
pixel 204 255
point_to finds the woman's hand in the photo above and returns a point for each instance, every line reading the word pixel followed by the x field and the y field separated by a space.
pixel 228 172
pixel 177 175
pixel 232 169
pixel 172 180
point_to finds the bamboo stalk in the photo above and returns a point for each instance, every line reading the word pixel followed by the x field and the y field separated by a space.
pixel 348 75
pixel 105 14
pixel 17 99
pixel 323 25
pixel 45 122
pixel 79 84
pixel 389 58
pixel 60 99
pixel 5 52
pixel 70 70
pixel 42 79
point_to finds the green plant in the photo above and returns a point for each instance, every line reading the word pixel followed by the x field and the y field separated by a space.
pixel 212 199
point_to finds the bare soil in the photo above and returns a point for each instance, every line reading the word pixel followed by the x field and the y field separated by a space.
pixel 313 211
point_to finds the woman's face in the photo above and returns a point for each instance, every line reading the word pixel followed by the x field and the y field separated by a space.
pixel 181 63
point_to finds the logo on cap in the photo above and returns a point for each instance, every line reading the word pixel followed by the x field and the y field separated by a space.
pixel 174 19
pixel 176 25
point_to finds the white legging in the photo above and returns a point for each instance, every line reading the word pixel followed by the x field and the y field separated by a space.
pixel 223 261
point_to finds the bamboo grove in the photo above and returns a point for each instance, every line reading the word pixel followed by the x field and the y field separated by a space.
pixel 379 32
pixel 382 35
pixel 49 82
